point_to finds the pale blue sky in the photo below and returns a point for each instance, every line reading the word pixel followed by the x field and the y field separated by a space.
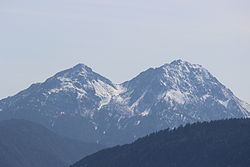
pixel 120 38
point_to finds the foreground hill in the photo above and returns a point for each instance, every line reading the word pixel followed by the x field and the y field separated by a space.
pixel 217 144
pixel 27 144
pixel 82 104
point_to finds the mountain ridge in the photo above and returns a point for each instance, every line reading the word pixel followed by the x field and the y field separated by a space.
pixel 81 103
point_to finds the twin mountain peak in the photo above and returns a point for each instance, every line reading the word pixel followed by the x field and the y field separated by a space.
pixel 80 103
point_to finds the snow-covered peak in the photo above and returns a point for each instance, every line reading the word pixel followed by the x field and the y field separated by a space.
pixel 178 83
pixel 195 80
pixel 79 70
pixel 84 85
pixel 82 67
pixel 179 71
pixel 183 66
pixel 179 62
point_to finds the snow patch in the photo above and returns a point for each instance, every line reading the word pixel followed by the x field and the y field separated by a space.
pixel 138 122
pixel 67 85
pixel 145 113
pixel 64 79
pixel 205 96
pixel 176 96
pixel 163 83
pixel 105 92
pixel 224 103
pixel 136 103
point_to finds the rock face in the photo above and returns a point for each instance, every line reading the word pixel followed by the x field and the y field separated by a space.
pixel 82 104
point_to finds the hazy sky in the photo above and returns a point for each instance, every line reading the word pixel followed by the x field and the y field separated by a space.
pixel 121 38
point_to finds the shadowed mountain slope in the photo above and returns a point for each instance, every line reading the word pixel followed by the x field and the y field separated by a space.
pixel 27 144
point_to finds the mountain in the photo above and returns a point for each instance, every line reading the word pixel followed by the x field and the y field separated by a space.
pixel 221 143
pixel 27 144
pixel 82 104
